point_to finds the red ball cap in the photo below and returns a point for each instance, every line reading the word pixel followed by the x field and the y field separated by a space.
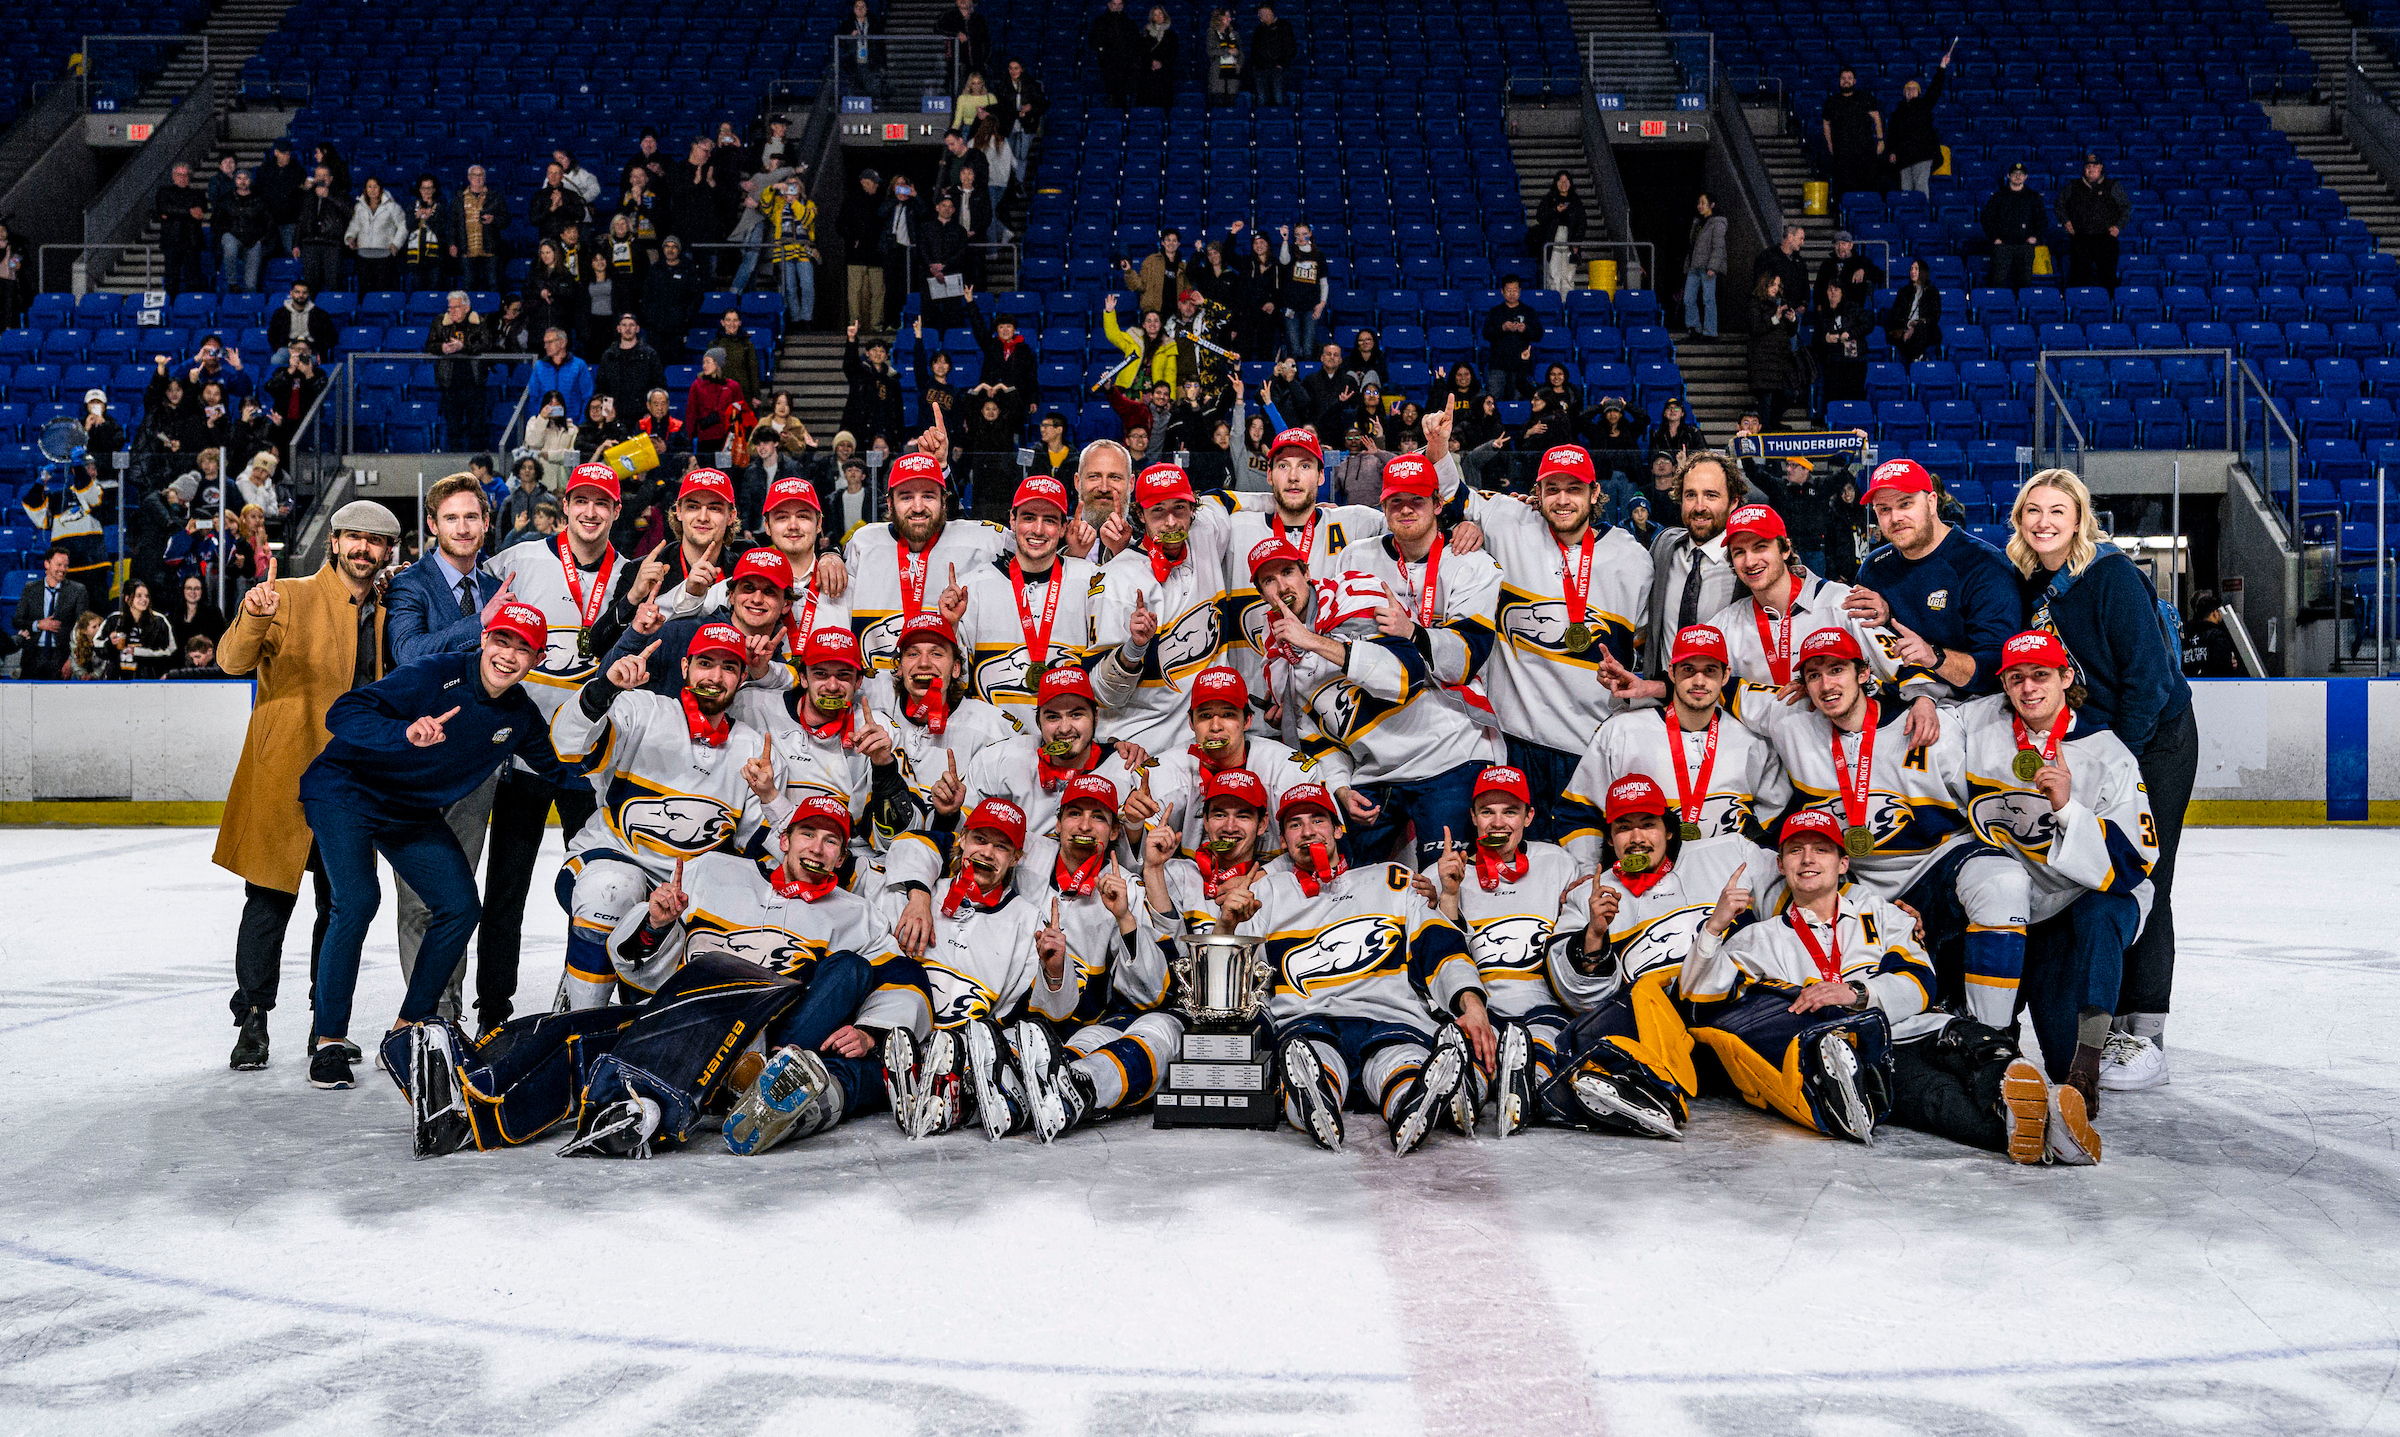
pixel 1756 520
pixel 1238 784
pixel 913 469
pixel 595 476
pixel 2034 646
pixel 1066 682
pixel 1830 644
pixel 1905 475
pixel 1162 484
pixel 831 645
pixel 1567 461
pixel 715 483
pixel 998 815
pixel 1810 823
pixel 523 620
pixel 792 489
pixel 1304 440
pixel 767 564
pixel 1220 685
pixel 1634 793
pixel 1090 788
pixel 719 639
pixel 928 624
pixel 821 811
pixel 1698 641
pixel 1409 474
pixel 1267 553
pixel 1306 795
pixel 1500 778
pixel 1041 489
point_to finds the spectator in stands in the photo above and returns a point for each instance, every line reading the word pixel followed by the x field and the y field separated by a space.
pixel 476 221
pixel 16 278
pixel 1405 430
pixel 2208 651
pixel 1913 321
pixel 1638 524
pixel 551 440
pixel 256 486
pixel 554 293
pixel 1052 455
pixel 629 369
pixel 87 658
pixel 1304 289
pixel 872 409
pixel 243 229
pixel 102 435
pixel 1011 368
pixel 1912 147
pixel 378 228
pixel 863 224
pixel 2103 609
pixel 974 98
pixel 1328 399
pixel 1366 360
pixel 1459 392
pixel 48 611
pixel 600 428
pixel 946 259
pixel 1704 259
pixel 199 656
pixel 1559 388
pixel 1254 292
pixel 324 220
pixel 1161 51
pixel 1848 267
pixel 988 141
pixel 136 641
pixel 1852 124
pixel 791 237
pixel 292 391
pixel 582 181
pixel 672 436
pixel 626 254
pixel 741 356
pixel 454 339
pixel 152 523
pixel 1221 52
pixel 1557 221
pixel 560 371
pixel 973 37
pixel 1024 102
pixel 972 203
pixel 2094 210
pixel 1510 331
pixel 220 187
pixel 1163 274
pixel 862 52
pixel 1274 49
pixel 328 157
pixel 1618 438
pixel 714 405
pixel 672 291
pixel 637 205
pixel 279 181
pixel 1784 263
pixel 1486 437
pixel 181 213
pixel 557 205
pixel 958 158
pixel 1774 371
pixel 1676 435
pixel 195 614
pixel 1842 329
pixel 907 229
pixel 300 319
pixel 2013 220
pixel 1847 536
pixel 526 488
pixel 603 298
pixel 425 248
pixel 1251 436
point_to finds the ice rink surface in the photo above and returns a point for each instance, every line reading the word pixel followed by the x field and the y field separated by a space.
pixel 185 1249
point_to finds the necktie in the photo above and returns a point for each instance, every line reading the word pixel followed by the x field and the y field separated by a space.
pixel 1687 610
pixel 466 595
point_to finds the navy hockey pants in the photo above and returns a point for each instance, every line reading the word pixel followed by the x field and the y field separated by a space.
pixel 1429 805
pixel 2074 961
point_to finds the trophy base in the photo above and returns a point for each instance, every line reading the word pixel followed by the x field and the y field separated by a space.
pixel 1221 1079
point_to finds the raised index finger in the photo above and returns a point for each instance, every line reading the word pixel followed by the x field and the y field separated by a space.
pixel 271 561
pixel 654 643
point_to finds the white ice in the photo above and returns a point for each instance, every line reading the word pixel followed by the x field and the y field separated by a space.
pixel 188 1249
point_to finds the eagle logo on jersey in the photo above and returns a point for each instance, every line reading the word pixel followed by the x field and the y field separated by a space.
pixel 1352 949
pixel 1191 642
pixel 770 948
pixel 563 656
pixel 683 823
pixel 1337 706
pixel 1542 623
pixel 1663 940
pixel 956 997
pixel 2012 817
pixel 1510 947
pixel 878 639
pixel 1887 817
pixel 1003 674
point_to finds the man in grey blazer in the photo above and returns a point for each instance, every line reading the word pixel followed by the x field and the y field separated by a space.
pixel 1692 578
pixel 46 615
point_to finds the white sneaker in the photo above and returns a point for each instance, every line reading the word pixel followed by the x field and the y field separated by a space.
pixel 2129 1064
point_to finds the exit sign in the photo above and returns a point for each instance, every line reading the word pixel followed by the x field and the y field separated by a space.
pixel 895 132
pixel 1654 129
pixel 138 132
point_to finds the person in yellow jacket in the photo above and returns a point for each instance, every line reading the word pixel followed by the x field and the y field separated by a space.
pixel 1149 360
pixel 791 218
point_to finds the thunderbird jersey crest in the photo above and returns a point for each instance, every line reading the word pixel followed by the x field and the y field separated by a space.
pixel 2104 840
pixel 664 795
pixel 1366 946
pixel 981 963
pixel 1653 929
pixel 1151 707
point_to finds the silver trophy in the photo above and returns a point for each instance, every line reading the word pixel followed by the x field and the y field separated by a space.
pixel 1224 1077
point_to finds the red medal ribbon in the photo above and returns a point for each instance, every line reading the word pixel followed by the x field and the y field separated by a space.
pixel 837 727
pixel 1054 779
pixel 1576 578
pixel 1211 765
pixel 930 710
pixel 807 890
pixel 1691 793
pixel 1076 882
pixel 1320 869
pixel 587 610
pixel 2048 747
pixel 912 600
pixel 1829 964
pixel 1855 789
pixel 1212 878
pixel 796 631
pixel 1490 873
pixel 1037 640
pixel 1160 564
pixel 1638 884
pixel 704 729
pixel 1779 652
pixel 964 889
pixel 1307 542
pixel 1428 602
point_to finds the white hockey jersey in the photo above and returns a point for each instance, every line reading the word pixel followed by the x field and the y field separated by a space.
pixel 2104 840
pixel 1406 709
pixel 982 963
pixel 664 795
pixel 1365 946
pixel 806 763
pixel 875 561
pixel 1122 974
pixel 1508 931
pixel 923 756
pixel 811 610
pixel 1278 768
pixel 1877 948
pixel 1011 769
pixel 541 580
pixel 1653 928
pixel 1819 606
pixel 1541 691
pixel 1747 789
pixel 994 633
pixel 1152 707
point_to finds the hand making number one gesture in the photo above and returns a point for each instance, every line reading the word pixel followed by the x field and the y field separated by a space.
pixel 426 732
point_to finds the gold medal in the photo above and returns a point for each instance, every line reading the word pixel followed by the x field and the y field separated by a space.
pixel 2028 762
pixel 1579 637
pixel 1057 748
pixel 1034 670
pixel 1635 863
pixel 1690 832
pixel 1858 840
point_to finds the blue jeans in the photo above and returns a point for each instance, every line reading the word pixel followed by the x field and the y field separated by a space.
pixel 424 853
pixel 237 264
pixel 1700 302
pixel 1430 804
pixel 2074 962
pixel 798 280
pixel 748 266
pixel 1300 333
pixel 1267 85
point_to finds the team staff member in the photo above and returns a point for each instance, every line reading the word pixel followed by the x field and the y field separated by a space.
pixel 308 641
pixel 2106 614
pixel 402 750
pixel 1948 596
pixel 1692 575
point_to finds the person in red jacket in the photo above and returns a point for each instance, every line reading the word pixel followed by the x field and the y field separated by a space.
pixel 709 407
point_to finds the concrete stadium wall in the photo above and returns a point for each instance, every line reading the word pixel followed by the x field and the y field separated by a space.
pixel 2273 752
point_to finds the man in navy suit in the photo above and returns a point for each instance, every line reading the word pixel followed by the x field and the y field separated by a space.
pixel 438 605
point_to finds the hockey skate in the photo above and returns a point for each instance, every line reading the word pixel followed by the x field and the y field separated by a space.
pixel 437 1109
pixel 1468 1101
pixel 987 1070
pixel 2025 1108
pixel 795 1096
pixel 1043 1078
pixel 1307 1089
pixel 1618 1102
pixel 1840 1095
pixel 1445 1073
pixel 1512 1087
pixel 2071 1138
pixel 902 1079
pixel 623 1129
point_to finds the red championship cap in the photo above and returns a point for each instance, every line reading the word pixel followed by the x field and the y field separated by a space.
pixel 1238 784
pixel 1698 641
pixel 594 476
pixel 1409 474
pixel 719 639
pixel 1567 461
pixel 1162 484
pixel 1635 793
pixel 1500 778
pixel 1905 475
pixel 913 469
pixel 1306 795
pixel 831 645
pixel 1042 489
pixel 1756 520
pixel 928 624
pixel 2034 646
pixel 767 564
pixel 792 489
pixel 1810 823
pixel 1267 553
pixel 1830 644
pixel 1066 681
pixel 1090 788
pixel 523 620
pixel 713 482
pixel 821 811
pixel 1301 439
pixel 1220 685
pixel 998 815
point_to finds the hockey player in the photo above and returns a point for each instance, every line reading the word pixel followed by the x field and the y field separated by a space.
pixel 1031 611
pixel 1394 687
pixel 1212 885
pixel 1222 742
pixel 701 519
pixel 758 604
pixel 669 771
pixel 1362 963
pixel 1572 588
pixel 1626 1060
pixel 1900 806
pixel 819 739
pixel 894 566
pixel 1725 779
pixel 993 959
pixel 1033 770
pixel 1507 908
pixel 2067 799
pixel 793 518
pixel 1318 532
pixel 936 729
pixel 1159 621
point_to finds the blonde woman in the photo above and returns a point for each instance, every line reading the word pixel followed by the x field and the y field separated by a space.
pixel 972 102
pixel 257 488
pixel 2104 611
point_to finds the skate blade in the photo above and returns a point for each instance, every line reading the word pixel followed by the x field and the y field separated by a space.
pixel 2026 1094
pixel 1602 1094
pixel 1442 1076
pixel 983 1064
